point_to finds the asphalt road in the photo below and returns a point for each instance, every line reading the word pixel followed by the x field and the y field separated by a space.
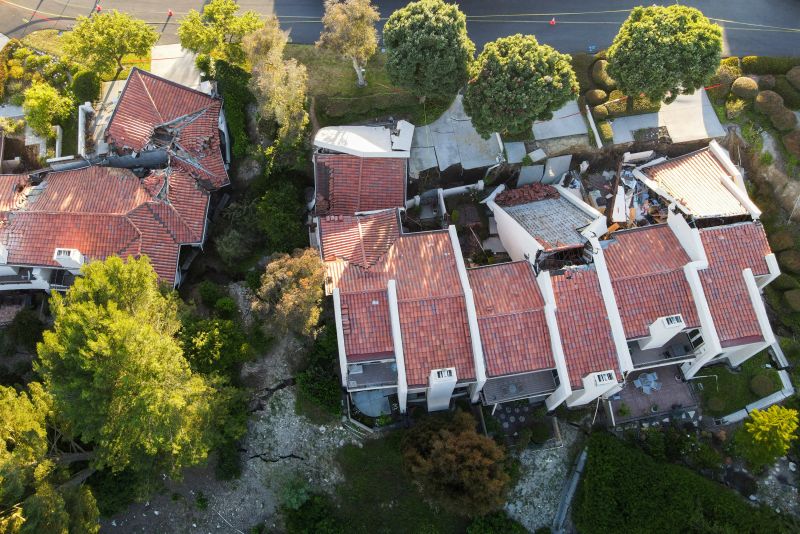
pixel 762 27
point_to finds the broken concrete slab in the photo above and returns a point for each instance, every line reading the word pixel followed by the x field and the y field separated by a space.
pixel 555 168
pixel 565 122
pixel 515 152
pixel 529 175
pixel 446 148
pixel 494 244
pixel 537 155
pixel 422 158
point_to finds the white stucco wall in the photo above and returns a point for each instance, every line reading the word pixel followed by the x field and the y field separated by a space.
pixel 516 240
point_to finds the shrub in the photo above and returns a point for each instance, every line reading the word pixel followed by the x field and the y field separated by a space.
pixel 617 103
pixel 280 217
pixel 641 104
pixel 601 77
pixel 790 260
pixel 783 119
pixel 791 96
pixel 768 65
pixel 540 432
pixel 316 515
pixel 25 331
pixel 784 282
pixel 794 77
pixel 765 158
pixel 734 107
pixel 723 79
pixel 596 96
pixel 233 245
pixel 766 435
pixel 233 85
pixel 213 345
pixel 765 82
pixel 792 142
pixel 606 131
pixel 210 293
pixel 226 307
pixel 495 523
pixel 768 101
pixel 745 87
pixel 86 86
pixel 761 385
pixel 732 62
pixel 319 381
pixel 600 112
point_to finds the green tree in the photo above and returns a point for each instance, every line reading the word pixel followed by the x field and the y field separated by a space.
pixel 462 469
pixel 767 435
pixel 102 40
pixel 117 373
pixel 278 84
pixel 44 107
pixel 516 81
pixel 349 30
pixel 291 291
pixel 664 49
pixel 428 50
pixel 496 523
pixel 213 345
pixel 280 211
pixel 218 31
pixel 11 126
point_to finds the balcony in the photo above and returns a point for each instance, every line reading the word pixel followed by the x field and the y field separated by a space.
pixel 371 375
pixel 61 280
pixel 678 349
pixel 509 388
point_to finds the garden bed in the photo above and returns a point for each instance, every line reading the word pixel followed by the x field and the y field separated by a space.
pixel 732 391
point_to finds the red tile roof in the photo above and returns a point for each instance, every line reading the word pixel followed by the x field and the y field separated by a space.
pixel 187 122
pixel 646 270
pixel 583 324
pixel 367 330
pixel 511 319
pixel 430 301
pixel 103 212
pixel 348 184
pixel 360 240
pixel 11 186
pixel 526 194
pixel 730 250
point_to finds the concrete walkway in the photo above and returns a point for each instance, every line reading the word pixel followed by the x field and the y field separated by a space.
pixel 688 118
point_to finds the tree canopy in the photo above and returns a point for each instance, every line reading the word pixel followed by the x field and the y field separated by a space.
pixel 117 374
pixel 664 49
pixel 767 435
pixel 218 31
pixel 291 290
pixel 278 84
pixel 463 469
pixel 428 50
pixel 44 106
pixel 349 30
pixel 516 81
pixel 102 40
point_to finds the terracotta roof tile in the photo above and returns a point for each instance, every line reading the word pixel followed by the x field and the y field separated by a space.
pixel 148 103
pixel 360 240
pixel 511 319
pixel 348 184
pixel 646 270
pixel 526 194
pixel 89 190
pixel 730 250
pixel 367 330
pixel 583 324
pixel 11 187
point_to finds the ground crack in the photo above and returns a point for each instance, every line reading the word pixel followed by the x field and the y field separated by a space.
pixel 261 397
pixel 264 458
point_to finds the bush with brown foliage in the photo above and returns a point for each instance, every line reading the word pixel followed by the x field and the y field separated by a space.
pixel 745 87
pixel 600 112
pixel 596 96
pixel 461 469
pixel 792 142
pixel 794 77
pixel 783 119
pixel 767 102
pixel 601 77
pixel 767 81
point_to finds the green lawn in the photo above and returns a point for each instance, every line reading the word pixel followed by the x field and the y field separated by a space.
pixel 332 83
pixel 734 388
pixel 377 495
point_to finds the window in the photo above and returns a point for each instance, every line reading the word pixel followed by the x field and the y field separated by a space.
pixel 604 378
pixel 444 373
pixel 673 321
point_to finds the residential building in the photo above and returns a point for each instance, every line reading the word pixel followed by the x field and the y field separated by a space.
pixel 150 196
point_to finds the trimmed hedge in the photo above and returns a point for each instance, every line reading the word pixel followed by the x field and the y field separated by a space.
pixel 768 65
pixel 233 85
pixel 767 102
pixel 783 119
pixel 601 77
pixel 767 81
pixel 794 77
pixel 596 96
pixel 792 143
pixel 86 86
pixel 791 96
pixel 606 131
pixel 732 62
pixel 724 78
pixel 745 88
pixel 600 112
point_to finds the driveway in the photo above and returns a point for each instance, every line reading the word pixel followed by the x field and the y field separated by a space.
pixel 764 28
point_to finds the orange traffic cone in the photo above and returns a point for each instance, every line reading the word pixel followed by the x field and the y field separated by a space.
pixel 98 8
pixel 553 21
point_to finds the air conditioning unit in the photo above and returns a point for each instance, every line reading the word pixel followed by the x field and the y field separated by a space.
pixel 69 258
pixel 673 321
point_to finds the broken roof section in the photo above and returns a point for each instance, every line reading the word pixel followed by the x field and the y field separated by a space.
pixel 367 141
pixel 646 270
pixel 730 250
pixel 346 185
pixel 511 319
pixel 704 183
pixel 583 324
pixel 553 220
pixel 156 113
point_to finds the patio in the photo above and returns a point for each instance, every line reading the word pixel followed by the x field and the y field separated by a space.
pixel 666 395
